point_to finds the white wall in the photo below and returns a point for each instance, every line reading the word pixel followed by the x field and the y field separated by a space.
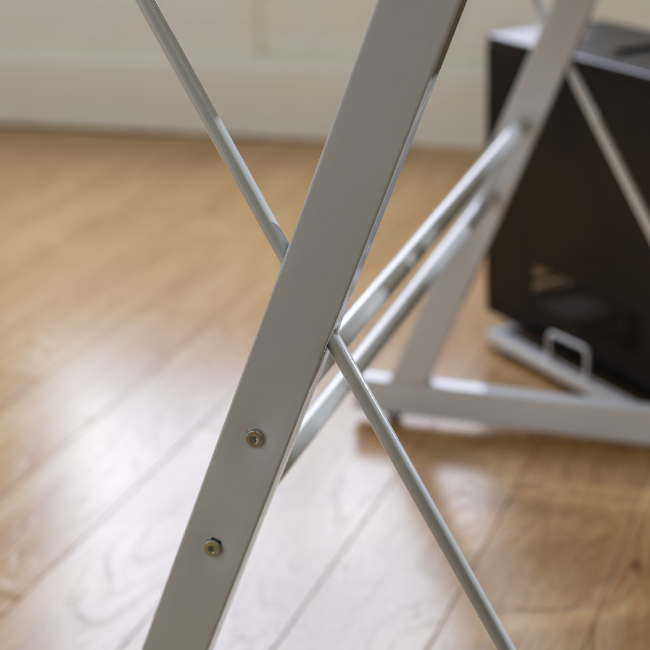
pixel 274 68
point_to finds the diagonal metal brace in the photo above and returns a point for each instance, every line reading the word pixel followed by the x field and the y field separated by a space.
pixel 215 127
pixel 419 493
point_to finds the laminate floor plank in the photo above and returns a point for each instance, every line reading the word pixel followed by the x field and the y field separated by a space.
pixel 135 279
pixel 36 341
pixel 590 467
pixel 102 594
pixel 36 319
pixel 57 502
pixel 104 367
pixel 119 274
pixel 99 594
pixel 54 165
pixel 73 199
pixel 393 585
pixel 554 552
pixel 190 293
pixel 105 265
pixel 49 411
pixel 622 621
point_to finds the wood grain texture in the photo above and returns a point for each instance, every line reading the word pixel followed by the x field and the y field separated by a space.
pixel 623 621
pixel 101 593
pixel 393 586
pixel 134 278
pixel 552 557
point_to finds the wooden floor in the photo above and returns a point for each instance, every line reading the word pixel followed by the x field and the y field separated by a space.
pixel 133 281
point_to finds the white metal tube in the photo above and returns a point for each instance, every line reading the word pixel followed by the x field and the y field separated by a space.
pixel 372 299
pixel 335 391
pixel 610 150
pixel 419 493
pixel 215 127
pixel 380 289
pixel 608 146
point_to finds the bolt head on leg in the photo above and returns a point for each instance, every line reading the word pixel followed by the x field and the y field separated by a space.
pixel 213 547
pixel 255 438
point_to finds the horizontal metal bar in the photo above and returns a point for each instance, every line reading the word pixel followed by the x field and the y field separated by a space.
pixel 528 409
pixel 373 298
pixel 380 289
pixel 215 127
pixel 419 493
pixel 335 391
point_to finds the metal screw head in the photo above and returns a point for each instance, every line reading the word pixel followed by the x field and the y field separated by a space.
pixel 255 438
pixel 213 547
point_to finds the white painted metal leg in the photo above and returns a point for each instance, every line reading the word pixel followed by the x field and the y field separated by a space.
pixel 529 102
pixel 432 268
pixel 401 52
pixel 445 297
pixel 563 414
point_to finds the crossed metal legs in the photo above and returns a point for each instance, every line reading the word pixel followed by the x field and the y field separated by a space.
pixel 392 78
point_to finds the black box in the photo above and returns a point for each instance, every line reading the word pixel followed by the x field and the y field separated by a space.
pixel 570 253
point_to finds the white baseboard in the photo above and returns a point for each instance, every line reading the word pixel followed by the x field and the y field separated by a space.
pixel 258 100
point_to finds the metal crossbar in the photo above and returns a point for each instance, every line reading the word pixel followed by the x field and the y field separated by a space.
pixel 381 288
pixel 437 262
pixel 306 319
pixel 419 493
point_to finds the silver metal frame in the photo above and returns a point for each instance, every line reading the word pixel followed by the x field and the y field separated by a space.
pixel 506 339
pixel 601 412
pixel 306 327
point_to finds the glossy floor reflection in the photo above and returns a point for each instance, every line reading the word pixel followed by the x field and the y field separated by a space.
pixel 134 278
